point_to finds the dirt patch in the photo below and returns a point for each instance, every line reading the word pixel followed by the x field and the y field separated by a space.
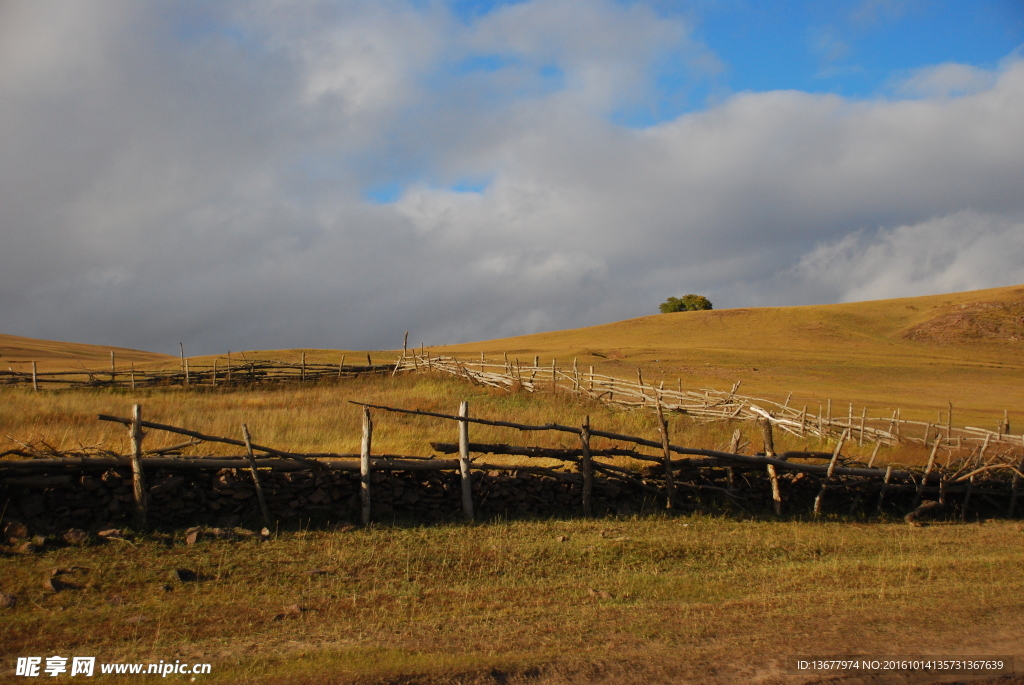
pixel 976 322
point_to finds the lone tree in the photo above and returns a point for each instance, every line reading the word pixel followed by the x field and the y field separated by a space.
pixel 687 303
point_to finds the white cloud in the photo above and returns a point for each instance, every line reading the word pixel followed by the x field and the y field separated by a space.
pixel 961 251
pixel 946 80
pixel 200 176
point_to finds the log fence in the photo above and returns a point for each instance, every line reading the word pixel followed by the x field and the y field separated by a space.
pixel 672 476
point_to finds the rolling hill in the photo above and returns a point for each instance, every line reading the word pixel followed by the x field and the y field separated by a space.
pixel 918 353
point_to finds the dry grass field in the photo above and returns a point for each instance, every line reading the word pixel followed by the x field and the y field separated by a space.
pixel 654 599
pixel 649 600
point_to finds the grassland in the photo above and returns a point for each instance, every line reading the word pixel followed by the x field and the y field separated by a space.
pixel 321 418
pixel 691 599
pixel 654 599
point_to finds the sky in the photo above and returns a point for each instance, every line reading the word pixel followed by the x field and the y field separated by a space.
pixel 283 174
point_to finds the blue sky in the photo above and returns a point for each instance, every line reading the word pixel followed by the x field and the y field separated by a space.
pixel 855 48
pixel 313 173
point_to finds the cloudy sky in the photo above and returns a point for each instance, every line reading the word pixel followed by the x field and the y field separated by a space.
pixel 329 174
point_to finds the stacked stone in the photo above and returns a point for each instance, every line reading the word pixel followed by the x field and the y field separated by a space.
pixel 186 497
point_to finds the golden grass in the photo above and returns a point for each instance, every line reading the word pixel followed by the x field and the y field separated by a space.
pixel 852 353
pixel 320 418
pixel 691 599
pixel 18 353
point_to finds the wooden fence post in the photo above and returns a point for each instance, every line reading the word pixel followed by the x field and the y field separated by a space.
pixel 773 476
pixel 138 479
pixel 255 476
pixel 35 380
pixel 133 375
pixel 229 367
pixel 586 467
pixel 927 471
pixel 364 464
pixel 1014 486
pixel 967 499
pixel 467 483
pixel 885 486
pixel 113 373
pixel 554 377
pixel 831 471
pixel 670 486
pixel 302 372
pixel 734 447
pixel 186 374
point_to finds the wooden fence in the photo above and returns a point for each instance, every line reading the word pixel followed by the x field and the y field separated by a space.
pixel 675 476
pixel 231 373
pixel 827 422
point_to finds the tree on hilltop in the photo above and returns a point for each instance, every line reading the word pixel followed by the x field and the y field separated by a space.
pixel 686 303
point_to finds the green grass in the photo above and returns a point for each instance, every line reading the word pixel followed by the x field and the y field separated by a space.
pixel 683 595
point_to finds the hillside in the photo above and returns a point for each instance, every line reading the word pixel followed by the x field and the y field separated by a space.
pixel 18 353
pixel 918 353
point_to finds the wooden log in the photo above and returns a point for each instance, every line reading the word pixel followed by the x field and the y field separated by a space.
pixel 35 378
pixel 212 438
pixel 736 458
pixel 467 484
pixel 138 477
pixel 364 464
pixel 670 490
pixel 885 486
pixel 586 468
pixel 256 477
pixel 967 499
pixel 803 421
pixel 734 447
pixel 874 453
pixel 773 476
pixel 927 472
pixel 766 436
pixel 1014 486
pixel 863 419
pixel 831 471
pixel 186 373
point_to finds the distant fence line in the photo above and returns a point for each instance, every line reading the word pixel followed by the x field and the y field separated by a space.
pixel 705 404
pixel 715 405
pixel 190 374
